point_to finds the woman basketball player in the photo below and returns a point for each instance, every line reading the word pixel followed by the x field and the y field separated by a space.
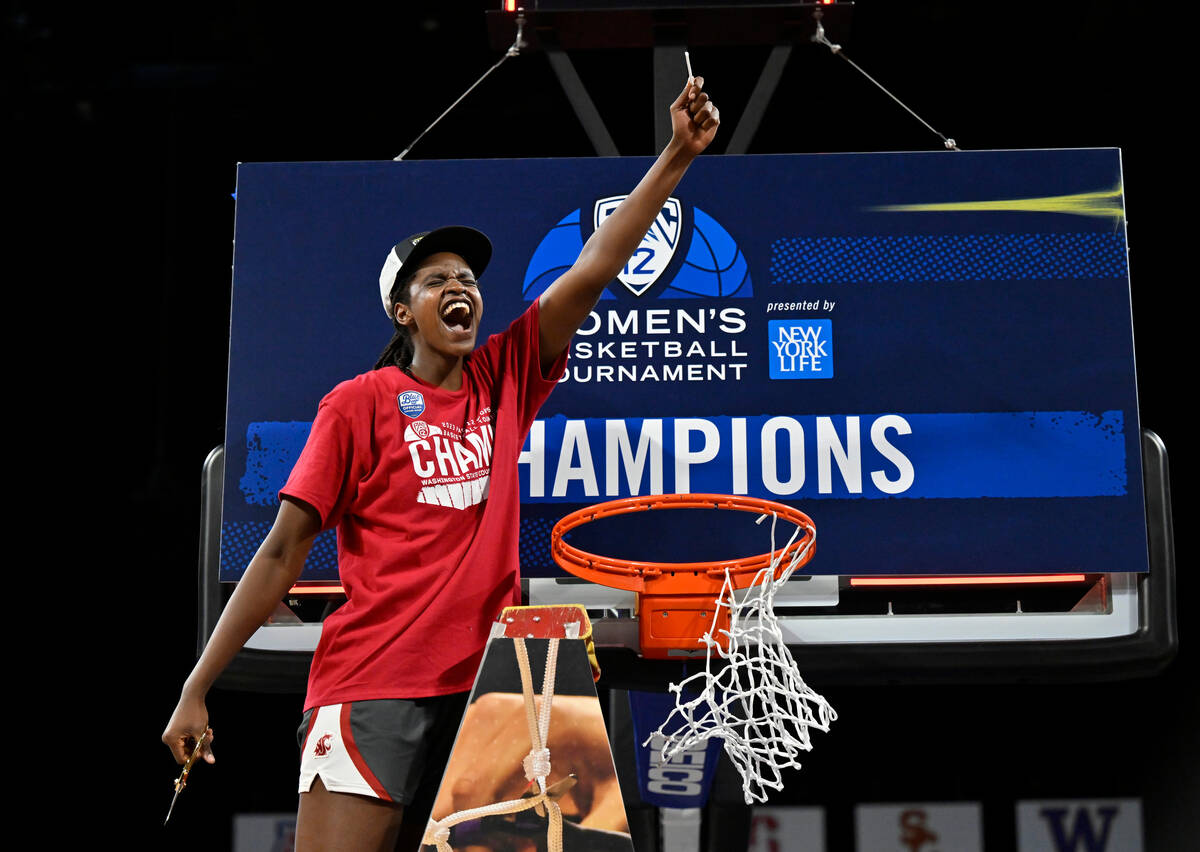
pixel 426 567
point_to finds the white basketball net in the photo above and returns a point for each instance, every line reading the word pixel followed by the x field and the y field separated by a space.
pixel 756 702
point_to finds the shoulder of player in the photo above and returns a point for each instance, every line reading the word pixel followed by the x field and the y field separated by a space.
pixel 515 333
pixel 361 394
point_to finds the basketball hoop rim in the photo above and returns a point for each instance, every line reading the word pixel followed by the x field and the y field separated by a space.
pixel 631 574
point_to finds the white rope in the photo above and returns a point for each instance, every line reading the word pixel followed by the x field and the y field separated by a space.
pixel 757 702
pixel 536 764
pixel 836 49
pixel 437 832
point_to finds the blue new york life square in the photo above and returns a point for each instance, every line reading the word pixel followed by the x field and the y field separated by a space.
pixel 800 349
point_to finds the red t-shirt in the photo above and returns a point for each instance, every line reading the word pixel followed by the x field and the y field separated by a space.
pixel 421 484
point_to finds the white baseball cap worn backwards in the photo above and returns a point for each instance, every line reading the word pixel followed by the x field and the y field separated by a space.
pixel 469 244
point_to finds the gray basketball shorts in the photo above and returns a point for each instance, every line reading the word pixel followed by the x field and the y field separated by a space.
pixel 388 749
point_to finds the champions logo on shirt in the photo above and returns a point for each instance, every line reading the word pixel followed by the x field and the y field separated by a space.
pixel 685 254
pixel 454 466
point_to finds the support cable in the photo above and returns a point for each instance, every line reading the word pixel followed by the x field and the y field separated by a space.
pixel 820 38
pixel 513 50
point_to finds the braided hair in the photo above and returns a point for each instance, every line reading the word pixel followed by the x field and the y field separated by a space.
pixel 399 351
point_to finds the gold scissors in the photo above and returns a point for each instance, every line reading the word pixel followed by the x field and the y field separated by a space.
pixel 181 781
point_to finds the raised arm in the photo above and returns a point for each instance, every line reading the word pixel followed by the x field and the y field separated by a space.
pixel 565 304
pixel 273 570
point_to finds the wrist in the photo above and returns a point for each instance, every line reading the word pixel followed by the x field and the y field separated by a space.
pixel 193 690
pixel 677 152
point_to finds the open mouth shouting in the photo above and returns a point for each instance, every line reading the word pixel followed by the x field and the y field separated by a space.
pixel 458 314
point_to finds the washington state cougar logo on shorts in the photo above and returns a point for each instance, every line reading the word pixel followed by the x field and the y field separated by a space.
pixel 323 746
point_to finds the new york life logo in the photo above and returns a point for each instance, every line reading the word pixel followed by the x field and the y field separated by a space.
pixel 800 348
pixel 711 265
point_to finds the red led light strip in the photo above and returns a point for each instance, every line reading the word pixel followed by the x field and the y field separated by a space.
pixel 968 581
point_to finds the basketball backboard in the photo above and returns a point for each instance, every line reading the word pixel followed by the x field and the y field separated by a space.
pixel 930 354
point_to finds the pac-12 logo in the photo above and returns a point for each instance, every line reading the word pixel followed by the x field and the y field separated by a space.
pixel 685 254
pixel 653 256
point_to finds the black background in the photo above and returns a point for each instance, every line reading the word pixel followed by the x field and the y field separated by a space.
pixel 128 123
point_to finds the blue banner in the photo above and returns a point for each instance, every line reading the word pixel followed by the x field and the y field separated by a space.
pixel 1020 454
pixel 683 781
pixel 930 354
